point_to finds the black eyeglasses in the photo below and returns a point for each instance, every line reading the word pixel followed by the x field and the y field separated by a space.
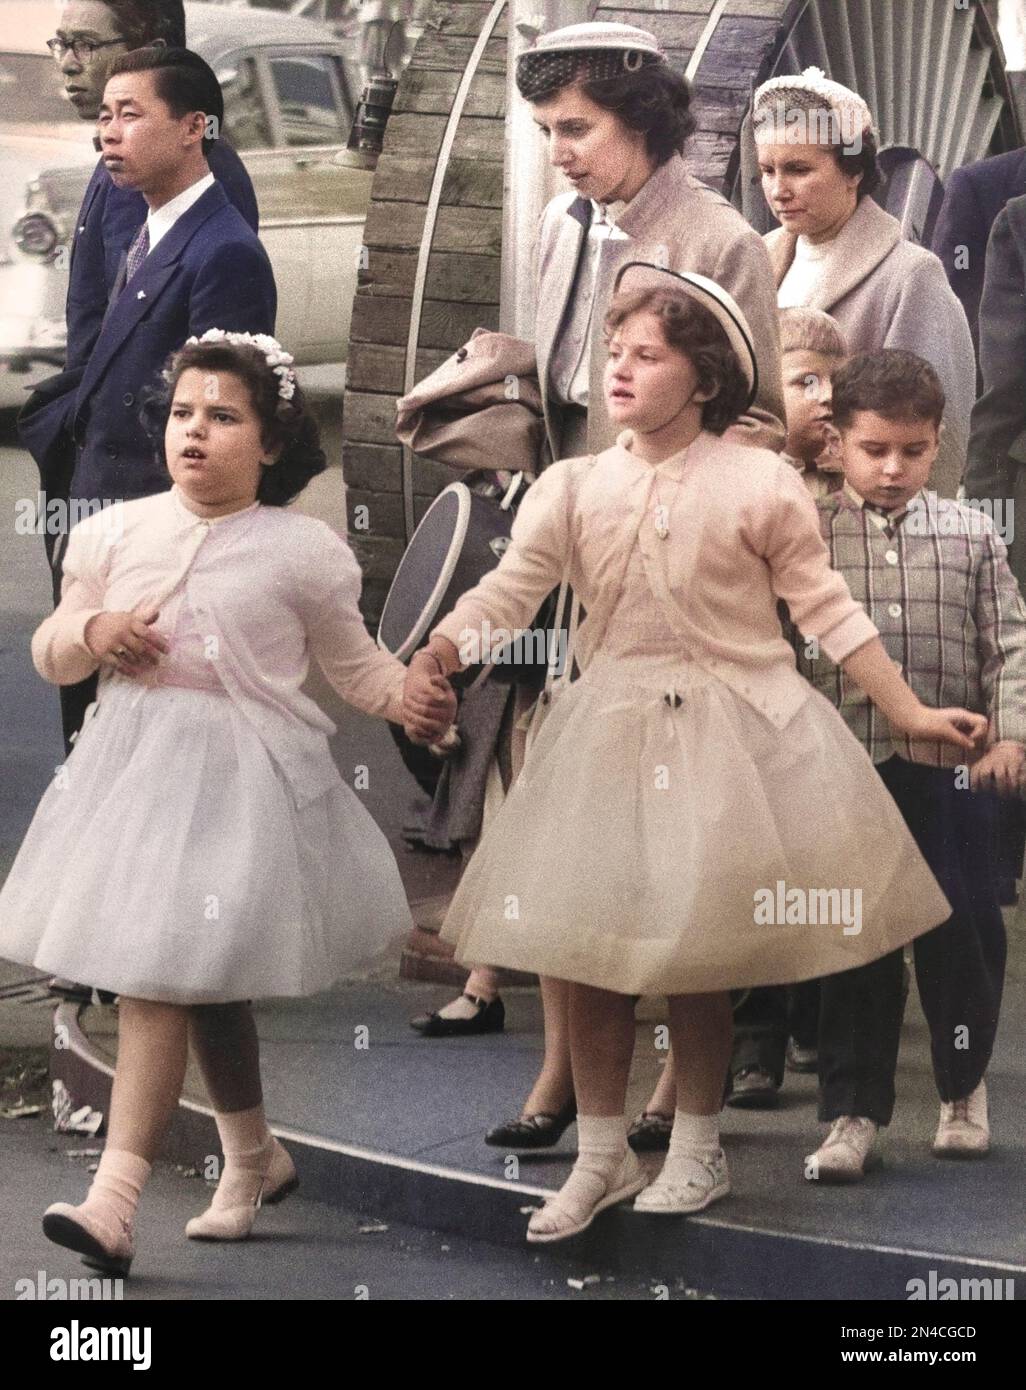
pixel 83 49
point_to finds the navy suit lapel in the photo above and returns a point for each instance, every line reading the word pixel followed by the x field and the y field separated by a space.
pixel 138 298
pixel 95 184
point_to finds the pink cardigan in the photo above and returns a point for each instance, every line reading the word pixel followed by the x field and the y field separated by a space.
pixel 275 590
pixel 743 533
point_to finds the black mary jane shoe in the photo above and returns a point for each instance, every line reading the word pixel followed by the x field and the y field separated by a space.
pixel 490 1018
pixel 533 1131
pixel 650 1133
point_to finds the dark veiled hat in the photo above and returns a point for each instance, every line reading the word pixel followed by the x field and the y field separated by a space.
pixel 584 52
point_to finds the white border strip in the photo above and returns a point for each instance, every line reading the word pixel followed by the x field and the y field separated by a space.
pixel 434 1170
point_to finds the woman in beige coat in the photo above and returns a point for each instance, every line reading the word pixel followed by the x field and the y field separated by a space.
pixel 616 118
pixel 837 250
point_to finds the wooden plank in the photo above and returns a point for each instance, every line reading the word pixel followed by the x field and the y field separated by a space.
pixel 452 53
pixel 672 28
pixel 719 108
pixel 707 155
pixel 464 19
pixel 383 515
pixel 442 325
pixel 466 278
pixel 467 182
pixel 433 92
pixel 736 51
pixel 378 556
pixel 430 477
pixel 399 226
pixel 370 418
pixel 644 10
pixel 375 466
pixel 759 9
pixel 477 137
pixel 382 367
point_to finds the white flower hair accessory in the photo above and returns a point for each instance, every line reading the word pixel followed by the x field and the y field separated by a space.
pixel 279 361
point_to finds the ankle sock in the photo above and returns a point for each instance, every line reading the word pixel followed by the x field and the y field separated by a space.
pixel 248 1144
pixel 601 1151
pixel 694 1141
pixel 114 1193
pixel 465 1006
pixel 696 1135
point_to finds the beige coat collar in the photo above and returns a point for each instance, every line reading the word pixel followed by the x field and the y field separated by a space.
pixel 866 239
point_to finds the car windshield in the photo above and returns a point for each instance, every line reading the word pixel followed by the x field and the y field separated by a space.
pixel 30 90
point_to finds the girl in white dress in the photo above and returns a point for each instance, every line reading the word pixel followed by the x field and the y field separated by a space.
pixel 659 839
pixel 199 847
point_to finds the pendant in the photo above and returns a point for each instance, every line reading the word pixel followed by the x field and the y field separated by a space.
pixel 662 528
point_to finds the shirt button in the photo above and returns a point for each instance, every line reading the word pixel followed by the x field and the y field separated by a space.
pixel 112 452
pixel 129 399
pixel 894 609
pixel 891 557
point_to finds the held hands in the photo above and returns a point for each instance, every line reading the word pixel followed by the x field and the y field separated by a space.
pixel 125 640
pixel 1002 769
pixel 429 701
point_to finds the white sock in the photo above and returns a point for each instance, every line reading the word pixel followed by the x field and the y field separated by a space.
pixel 463 1006
pixel 695 1134
pixel 694 1142
pixel 601 1152
pixel 114 1193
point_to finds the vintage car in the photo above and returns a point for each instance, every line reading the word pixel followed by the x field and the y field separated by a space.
pixel 290 88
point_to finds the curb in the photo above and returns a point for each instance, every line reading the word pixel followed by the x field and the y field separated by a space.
pixel 727 1259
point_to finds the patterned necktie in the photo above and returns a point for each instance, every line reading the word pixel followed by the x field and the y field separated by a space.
pixel 138 251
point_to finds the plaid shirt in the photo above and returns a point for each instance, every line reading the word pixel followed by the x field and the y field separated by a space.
pixel 935 581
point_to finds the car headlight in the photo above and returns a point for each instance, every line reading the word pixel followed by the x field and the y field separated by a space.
pixel 36 234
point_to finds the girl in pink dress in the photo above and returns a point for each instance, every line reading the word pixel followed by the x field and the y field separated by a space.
pixel 659 840
pixel 199 848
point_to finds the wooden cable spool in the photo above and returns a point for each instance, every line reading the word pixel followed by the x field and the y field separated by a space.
pixel 931 71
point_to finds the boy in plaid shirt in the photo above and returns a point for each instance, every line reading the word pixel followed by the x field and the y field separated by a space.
pixel 934 577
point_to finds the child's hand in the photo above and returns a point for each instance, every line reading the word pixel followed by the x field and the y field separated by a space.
pixel 429 703
pixel 125 640
pixel 1002 769
pixel 956 726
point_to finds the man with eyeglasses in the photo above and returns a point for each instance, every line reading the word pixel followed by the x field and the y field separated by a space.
pixel 91 36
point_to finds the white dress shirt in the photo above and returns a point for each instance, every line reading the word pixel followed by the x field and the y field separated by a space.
pixel 159 223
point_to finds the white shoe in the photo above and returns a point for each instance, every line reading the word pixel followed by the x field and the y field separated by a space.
pixel 687 1183
pixel 844 1153
pixel 584 1194
pixel 240 1195
pixel 963 1131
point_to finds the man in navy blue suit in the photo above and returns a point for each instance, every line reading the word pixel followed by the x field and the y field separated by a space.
pixel 974 196
pixel 91 36
pixel 193 264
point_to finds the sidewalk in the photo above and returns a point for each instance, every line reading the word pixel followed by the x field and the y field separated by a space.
pixel 400 1122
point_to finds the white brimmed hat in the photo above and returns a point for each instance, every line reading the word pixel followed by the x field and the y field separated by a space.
pixel 592 51
pixel 642 275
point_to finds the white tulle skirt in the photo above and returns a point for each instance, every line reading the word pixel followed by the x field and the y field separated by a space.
pixel 167 861
pixel 664 837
